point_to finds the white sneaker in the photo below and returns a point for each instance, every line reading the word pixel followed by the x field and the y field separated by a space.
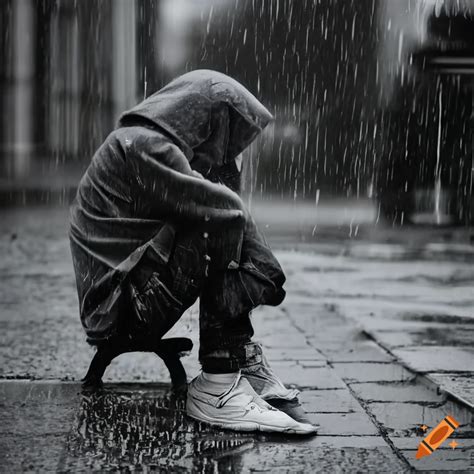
pixel 266 383
pixel 237 406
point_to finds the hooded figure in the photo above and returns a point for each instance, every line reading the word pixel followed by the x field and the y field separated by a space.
pixel 157 222
pixel 143 194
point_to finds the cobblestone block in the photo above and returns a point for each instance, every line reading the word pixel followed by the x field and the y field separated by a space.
pixel 313 377
pixel 372 372
pixel 403 419
pixel 343 423
pixel 442 461
pixel 329 401
pixel 359 351
pixel 411 443
pixel 396 392
pixel 275 458
pixel 437 358
pixel 307 353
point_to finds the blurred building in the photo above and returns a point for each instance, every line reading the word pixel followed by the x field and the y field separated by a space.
pixel 426 51
pixel 71 66
pixel 68 69
pixel 354 111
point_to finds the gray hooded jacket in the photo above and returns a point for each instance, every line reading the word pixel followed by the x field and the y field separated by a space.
pixel 140 186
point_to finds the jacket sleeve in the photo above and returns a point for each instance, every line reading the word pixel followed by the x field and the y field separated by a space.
pixel 167 187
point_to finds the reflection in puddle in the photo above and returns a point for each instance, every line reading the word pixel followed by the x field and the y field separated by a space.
pixel 127 427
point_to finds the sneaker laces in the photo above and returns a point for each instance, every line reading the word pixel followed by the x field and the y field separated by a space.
pixel 224 397
pixel 267 382
pixel 247 393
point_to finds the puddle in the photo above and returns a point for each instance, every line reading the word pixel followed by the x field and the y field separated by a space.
pixel 51 426
pixel 123 428
pixel 129 426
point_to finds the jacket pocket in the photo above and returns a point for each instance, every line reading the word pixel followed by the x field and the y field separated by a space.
pixel 154 306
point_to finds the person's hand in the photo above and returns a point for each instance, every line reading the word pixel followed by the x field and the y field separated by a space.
pixel 196 174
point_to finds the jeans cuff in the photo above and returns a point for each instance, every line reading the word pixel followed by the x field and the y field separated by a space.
pixel 235 333
pixel 233 358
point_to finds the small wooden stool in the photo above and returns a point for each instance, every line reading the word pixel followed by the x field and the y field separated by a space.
pixel 170 350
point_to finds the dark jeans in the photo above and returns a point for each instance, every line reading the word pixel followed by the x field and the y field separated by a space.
pixel 227 296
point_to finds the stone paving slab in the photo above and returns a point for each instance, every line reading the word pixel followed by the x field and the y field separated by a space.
pixel 455 355
pixel 285 341
pixel 357 441
pixel 312 363
pixel 444 461
pixel 396 392
pixel 300 458
pixel 313 377
pixel 445 458
pixel 450 335
pixel 371 372
pixel 396 319
pixel 337 334
pixel 27 453
pixel 35 420
pixel 344 423
pixel 357 351
pixel 411 443
pixel 329 401
pixel 402 419
pixel 36 410
pixel 437 358
pixel 308 354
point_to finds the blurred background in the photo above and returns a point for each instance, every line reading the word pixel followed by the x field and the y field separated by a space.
pixel 372 98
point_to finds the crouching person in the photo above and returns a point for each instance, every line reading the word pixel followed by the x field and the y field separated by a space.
pixel 158 222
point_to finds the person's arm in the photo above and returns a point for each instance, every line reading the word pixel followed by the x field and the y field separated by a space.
pixel 169 187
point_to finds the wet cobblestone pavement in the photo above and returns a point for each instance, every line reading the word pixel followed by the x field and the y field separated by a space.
pixel 372 334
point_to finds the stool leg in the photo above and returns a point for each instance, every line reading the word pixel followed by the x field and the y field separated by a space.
pixel 176 369
pixel 169 351
pixel 101 360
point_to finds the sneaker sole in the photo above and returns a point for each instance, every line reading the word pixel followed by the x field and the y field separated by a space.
pixel 244 425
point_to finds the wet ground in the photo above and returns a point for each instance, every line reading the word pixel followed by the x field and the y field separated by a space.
pixel 377 334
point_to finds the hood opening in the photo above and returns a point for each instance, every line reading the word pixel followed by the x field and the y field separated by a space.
pixel 206 113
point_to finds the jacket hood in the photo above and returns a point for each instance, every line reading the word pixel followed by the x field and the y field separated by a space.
pixel 205 112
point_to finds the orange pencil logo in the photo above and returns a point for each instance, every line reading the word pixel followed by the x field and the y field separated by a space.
pixel 436 437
